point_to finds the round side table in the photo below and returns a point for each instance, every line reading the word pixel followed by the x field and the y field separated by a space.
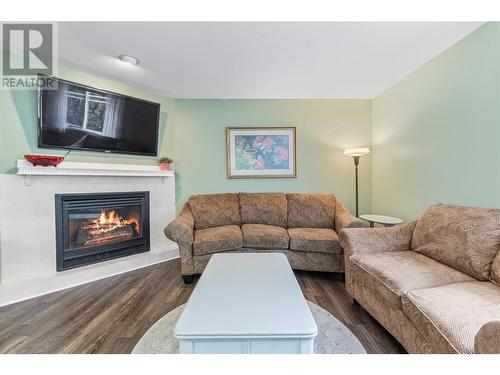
pixel 386 221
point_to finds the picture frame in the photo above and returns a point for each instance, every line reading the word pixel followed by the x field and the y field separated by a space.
pixel 261 152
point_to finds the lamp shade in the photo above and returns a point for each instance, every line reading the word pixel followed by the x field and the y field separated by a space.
pixel 359 151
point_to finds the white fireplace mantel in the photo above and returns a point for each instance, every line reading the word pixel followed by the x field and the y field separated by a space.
pixel 67 168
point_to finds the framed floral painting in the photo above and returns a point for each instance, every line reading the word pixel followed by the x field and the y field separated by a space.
pixel 260 152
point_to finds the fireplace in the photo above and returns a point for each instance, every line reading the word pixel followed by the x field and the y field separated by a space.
pixel 92 228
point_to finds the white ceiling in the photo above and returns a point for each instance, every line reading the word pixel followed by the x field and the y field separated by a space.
pixel 258 60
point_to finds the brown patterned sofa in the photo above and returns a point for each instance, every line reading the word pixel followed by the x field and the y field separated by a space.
pixel 434 283
pixel 302 226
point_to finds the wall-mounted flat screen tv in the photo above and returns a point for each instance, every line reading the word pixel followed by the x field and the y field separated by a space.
pixel 79 117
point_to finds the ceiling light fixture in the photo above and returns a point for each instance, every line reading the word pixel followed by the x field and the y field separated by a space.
pixel 129 59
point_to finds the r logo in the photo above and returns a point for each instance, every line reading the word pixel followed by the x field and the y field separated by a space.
pixel 28 49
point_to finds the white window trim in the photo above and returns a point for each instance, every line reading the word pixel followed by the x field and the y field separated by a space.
pixel 85 115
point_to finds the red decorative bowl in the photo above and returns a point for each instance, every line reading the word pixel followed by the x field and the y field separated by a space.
pixel 44 160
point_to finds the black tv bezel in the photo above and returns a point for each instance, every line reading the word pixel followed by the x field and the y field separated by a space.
pixel 107 151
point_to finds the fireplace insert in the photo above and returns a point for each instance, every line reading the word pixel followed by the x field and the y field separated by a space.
pixel 92 228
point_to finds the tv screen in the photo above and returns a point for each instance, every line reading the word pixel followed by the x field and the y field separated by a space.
pixel 80 117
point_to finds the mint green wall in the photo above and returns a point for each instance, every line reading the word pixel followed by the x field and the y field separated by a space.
pixel 324 129
pixel 18 123
pixel 436 133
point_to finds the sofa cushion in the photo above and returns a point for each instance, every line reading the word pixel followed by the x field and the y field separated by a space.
pixel 311 210
pixel 264 208
pixel 389 275
pixel 217 239
pixel 213 210
pixel 315 240
pixel 464 238
pixel 450 316
pixel 495 270
pixel 262 236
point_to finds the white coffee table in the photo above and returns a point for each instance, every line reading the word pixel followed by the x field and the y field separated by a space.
pixel 386 221
pixel 247 303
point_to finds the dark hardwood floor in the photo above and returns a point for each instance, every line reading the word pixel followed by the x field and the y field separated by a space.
pixel 111 315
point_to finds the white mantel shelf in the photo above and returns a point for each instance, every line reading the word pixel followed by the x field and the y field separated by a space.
pixel 67 168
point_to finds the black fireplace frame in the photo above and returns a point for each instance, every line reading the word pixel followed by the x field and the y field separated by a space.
pixel 81 257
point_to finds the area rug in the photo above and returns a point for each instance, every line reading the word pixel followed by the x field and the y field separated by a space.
pixel 333 336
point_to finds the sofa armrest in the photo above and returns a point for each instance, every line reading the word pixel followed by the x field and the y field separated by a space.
pixel 344 219
pixel 181 228
pixel 376 240
pixel 487 340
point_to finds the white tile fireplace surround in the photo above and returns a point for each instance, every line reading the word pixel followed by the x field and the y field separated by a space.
pixel 27 224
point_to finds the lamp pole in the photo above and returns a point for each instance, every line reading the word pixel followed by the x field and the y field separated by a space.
pixel 356 154
pixel 356 163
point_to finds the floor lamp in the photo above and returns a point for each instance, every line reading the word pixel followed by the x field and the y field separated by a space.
pixel 356 154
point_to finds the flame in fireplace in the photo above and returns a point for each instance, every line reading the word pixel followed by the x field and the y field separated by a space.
pixel 108 221
pixel 108 227
pixel 102 227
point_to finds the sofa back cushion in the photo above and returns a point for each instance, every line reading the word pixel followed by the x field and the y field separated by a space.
pixel 495 270
pixel 264 208
pixel 214 210
pixel 464 238
pixel 311 210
